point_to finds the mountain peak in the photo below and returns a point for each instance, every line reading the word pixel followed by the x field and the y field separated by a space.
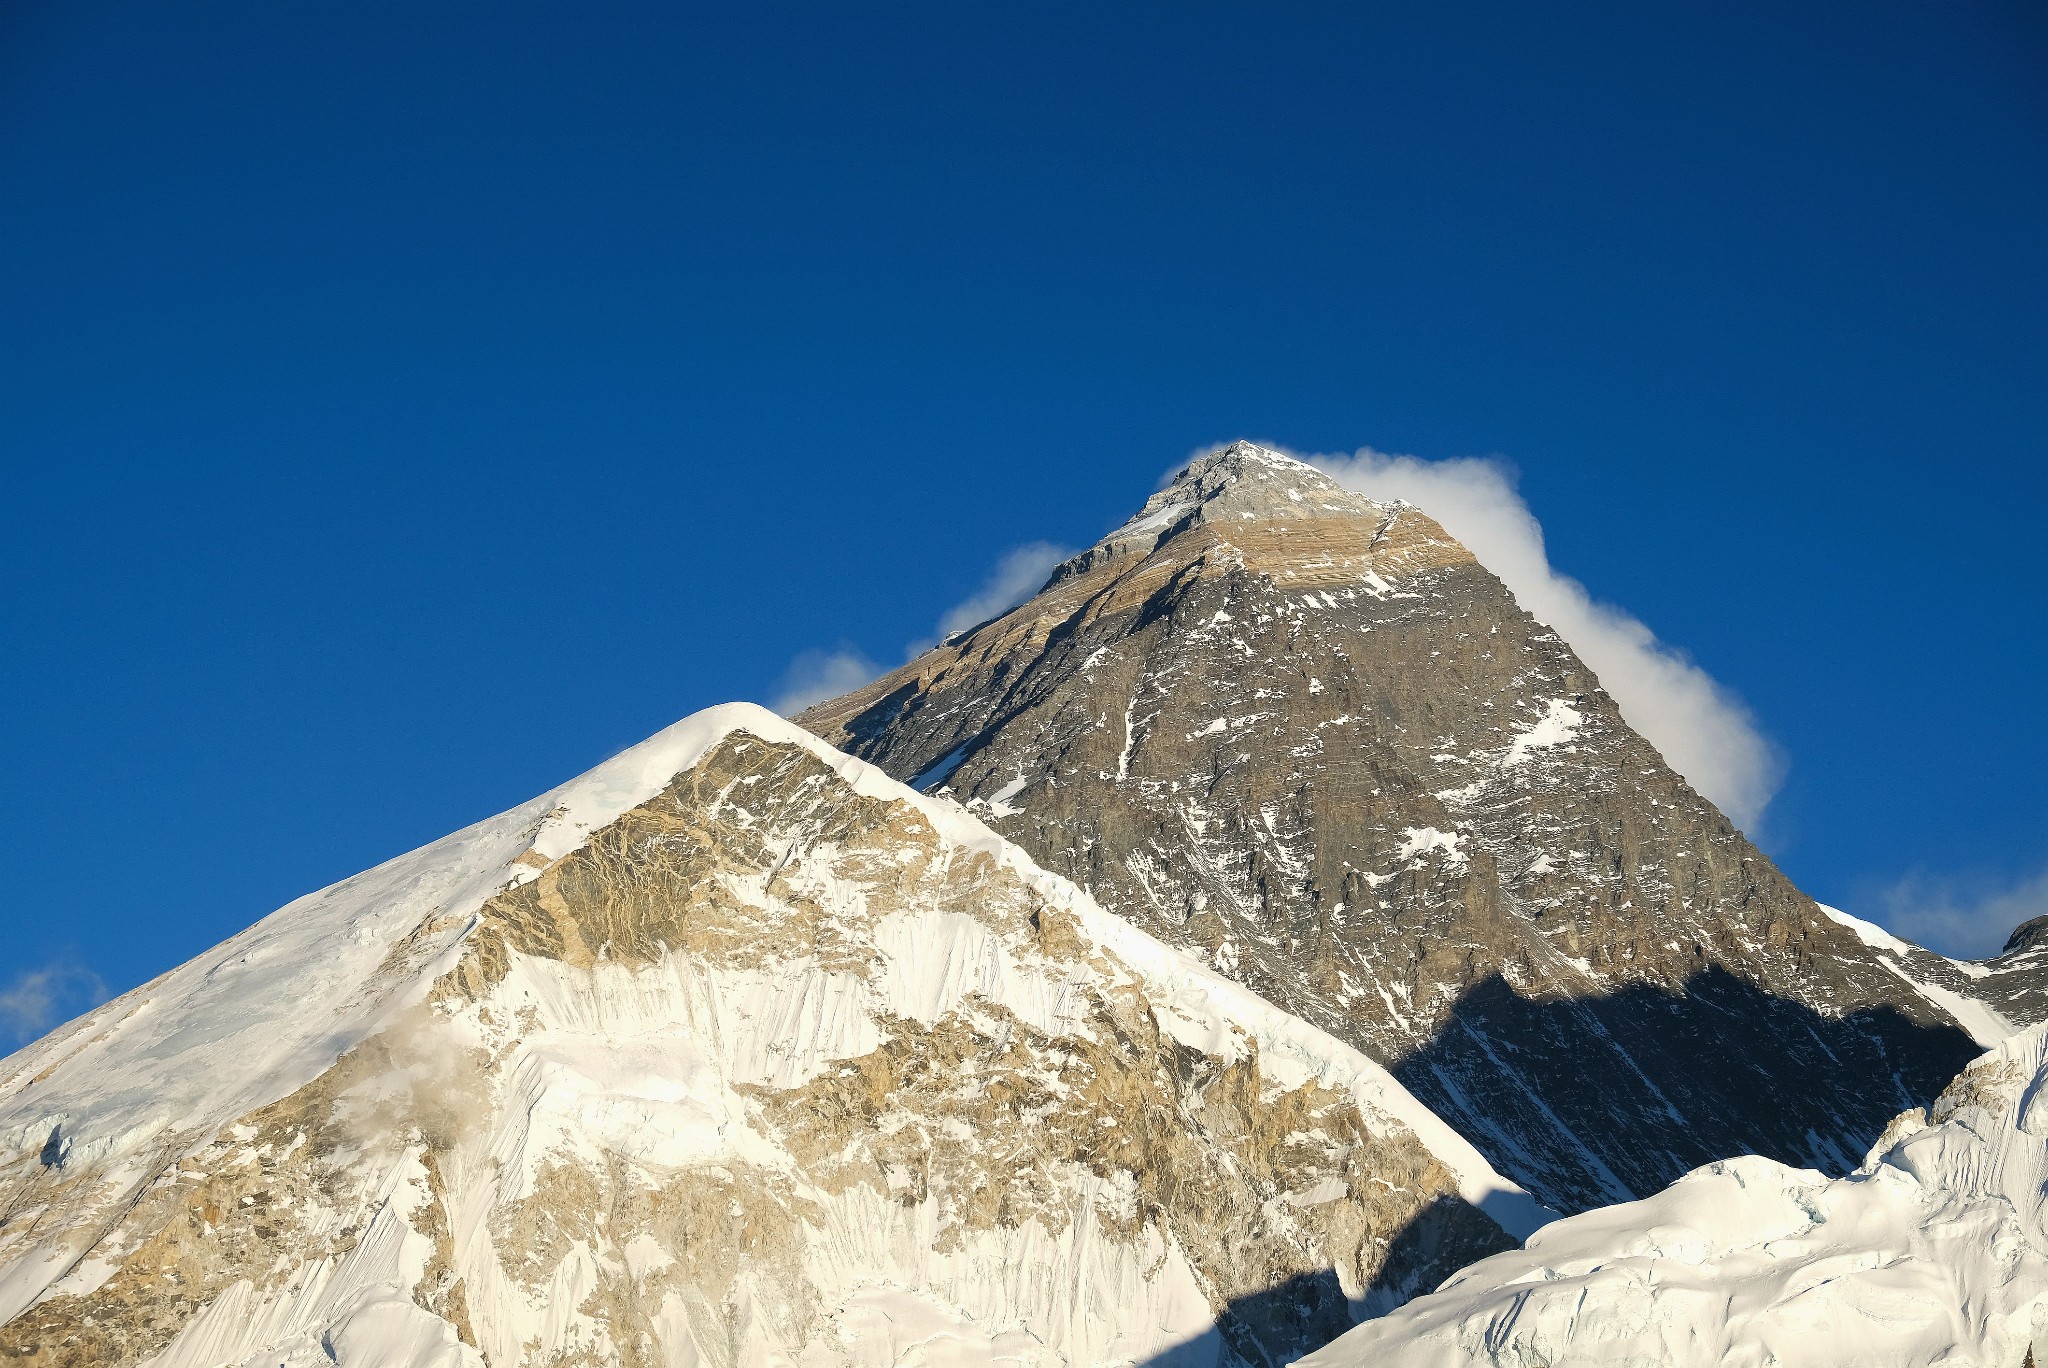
pixel 746 1045
pixel 1243 453
pixel 1247 465
pixel 1240 484
pixel 2028 935
pixel 1276 513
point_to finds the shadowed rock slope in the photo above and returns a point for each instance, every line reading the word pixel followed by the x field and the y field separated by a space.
pixel 1309 738
pixel 731 1052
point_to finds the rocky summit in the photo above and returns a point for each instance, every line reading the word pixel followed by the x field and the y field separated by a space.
pixel 732 1052
pixel 1307 737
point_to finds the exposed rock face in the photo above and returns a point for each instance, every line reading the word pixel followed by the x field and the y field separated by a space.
pixel 1310 738
pixel 733 1052
pixel 2015 983
pixel 2027 936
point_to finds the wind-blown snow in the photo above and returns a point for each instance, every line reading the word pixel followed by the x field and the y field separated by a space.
pixel 1934 1252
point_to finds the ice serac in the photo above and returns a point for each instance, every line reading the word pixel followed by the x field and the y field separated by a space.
pixel 734 1051
pixel 1308 737
pixel 1935 1251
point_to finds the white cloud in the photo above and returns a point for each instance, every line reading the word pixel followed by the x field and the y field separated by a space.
pixel 1017 577
pixel 1703 730
pixel 815 675
pixel 38 999
pixel 1968 918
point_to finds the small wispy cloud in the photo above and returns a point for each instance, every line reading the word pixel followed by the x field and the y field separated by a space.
pixel 34 1000
pixel 1697 723
pixel 1967 917
pixel 816 675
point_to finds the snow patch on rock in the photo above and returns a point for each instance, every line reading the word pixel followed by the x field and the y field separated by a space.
pixel 1985 1025
pixel 1558 726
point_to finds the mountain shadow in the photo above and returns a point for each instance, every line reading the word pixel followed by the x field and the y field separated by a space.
pixel 1558 1094
pixel 1551 1090
pixel 1299 1314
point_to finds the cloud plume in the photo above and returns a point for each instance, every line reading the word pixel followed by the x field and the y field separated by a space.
pixel 1016 577
pixel 1702 729
pixel 816 675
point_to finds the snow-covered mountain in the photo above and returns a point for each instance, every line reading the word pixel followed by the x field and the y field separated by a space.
pixel 738 1051
pixel 733 1051
pixel 1991 997
pixel 1310 738
pixel 1935 1251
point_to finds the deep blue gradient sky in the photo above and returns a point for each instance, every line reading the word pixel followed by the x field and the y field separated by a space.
pixel 404 407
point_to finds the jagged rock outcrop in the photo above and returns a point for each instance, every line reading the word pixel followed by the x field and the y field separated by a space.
pixel 1934 1252
pixel 733 1051
pixel 1308 737
pixel 2014 983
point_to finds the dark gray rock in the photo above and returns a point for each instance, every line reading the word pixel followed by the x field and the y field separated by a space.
pixel 1310 737
pixel 2014 983
pixel 2028 935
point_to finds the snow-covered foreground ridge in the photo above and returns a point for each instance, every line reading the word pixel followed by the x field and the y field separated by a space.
pixel 733 1050
pixel 1934 1252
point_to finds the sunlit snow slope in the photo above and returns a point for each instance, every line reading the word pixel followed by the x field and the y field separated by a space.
pixel 733 1051
pixel 1934 1252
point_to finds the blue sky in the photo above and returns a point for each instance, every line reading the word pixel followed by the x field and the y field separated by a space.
pixel 405 407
